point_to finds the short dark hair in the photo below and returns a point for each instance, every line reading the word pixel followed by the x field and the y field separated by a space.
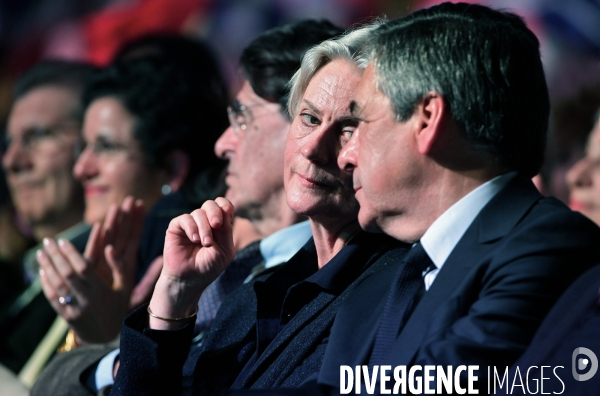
pixel 68 74
pixel 179 102
pixel 273 57
pixel 486 65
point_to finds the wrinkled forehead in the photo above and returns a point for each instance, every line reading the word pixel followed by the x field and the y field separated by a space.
pixel 369 98
pixel 334 85
pixel 368 82
pixel 43 107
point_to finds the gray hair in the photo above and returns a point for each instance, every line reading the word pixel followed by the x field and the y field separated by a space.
pixel 348 46
pixel 484 63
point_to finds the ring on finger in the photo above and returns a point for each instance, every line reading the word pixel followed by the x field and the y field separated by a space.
pixel 66 300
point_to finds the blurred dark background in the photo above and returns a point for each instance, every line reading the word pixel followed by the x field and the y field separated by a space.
pixel 92 30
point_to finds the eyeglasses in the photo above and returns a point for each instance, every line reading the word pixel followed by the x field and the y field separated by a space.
pixel 105 148
pixel 40 139
pixel 240 115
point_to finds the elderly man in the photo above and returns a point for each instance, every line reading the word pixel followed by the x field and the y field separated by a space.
pixel 42 134
pixel 453 111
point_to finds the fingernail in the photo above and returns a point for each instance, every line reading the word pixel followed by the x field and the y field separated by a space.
pixel 38 253
pixel 42 273
pixel 195 237
pixel 207 241
pixel 61 242
pixel 46 241
pixel 216 221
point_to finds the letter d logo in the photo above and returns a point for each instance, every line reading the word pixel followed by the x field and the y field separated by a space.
pixel 583 363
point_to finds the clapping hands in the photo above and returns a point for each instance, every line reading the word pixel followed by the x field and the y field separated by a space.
pixel 92 291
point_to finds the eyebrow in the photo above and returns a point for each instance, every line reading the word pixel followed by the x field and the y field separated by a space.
pixel 312 106
pixel 348 120
pixel 105 135
pixel 355 109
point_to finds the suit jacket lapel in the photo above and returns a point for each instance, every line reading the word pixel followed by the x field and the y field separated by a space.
pixel 495 221
pixel 367 329
pixel 370 332
pixel 355 327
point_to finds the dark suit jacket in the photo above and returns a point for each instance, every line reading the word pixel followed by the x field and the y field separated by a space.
pixel 517 257
pixel 572 323
pixel 151 361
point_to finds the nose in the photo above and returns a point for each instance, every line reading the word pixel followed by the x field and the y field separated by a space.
pixel 85 167
pixel 227 143
pixel 347 160
pixel 16 158
pixel 320 146
pixel 578 176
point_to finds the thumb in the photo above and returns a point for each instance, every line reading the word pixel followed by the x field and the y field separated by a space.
pixel 223 237
pixel 93 245
pixel 121 278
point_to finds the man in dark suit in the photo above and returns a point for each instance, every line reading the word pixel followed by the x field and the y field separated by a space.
pixel 453 111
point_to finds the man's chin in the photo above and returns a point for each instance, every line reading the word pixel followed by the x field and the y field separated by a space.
pixel 238 203
pixel 34 219
pixel 30 219
pixel 368 222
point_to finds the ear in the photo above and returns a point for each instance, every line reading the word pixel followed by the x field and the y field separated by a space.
pixel 430 114
pixel 178 163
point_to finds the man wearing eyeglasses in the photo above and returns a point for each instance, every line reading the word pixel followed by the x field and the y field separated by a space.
pixel 254 142
pixel 43 132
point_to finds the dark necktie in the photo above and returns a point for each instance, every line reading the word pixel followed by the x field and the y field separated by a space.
pixel 407 284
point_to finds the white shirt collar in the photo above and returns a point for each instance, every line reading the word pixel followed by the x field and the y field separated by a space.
pixel 442 236
pixel 280 246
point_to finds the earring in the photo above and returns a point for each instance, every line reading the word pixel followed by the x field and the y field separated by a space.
pixel 166 189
